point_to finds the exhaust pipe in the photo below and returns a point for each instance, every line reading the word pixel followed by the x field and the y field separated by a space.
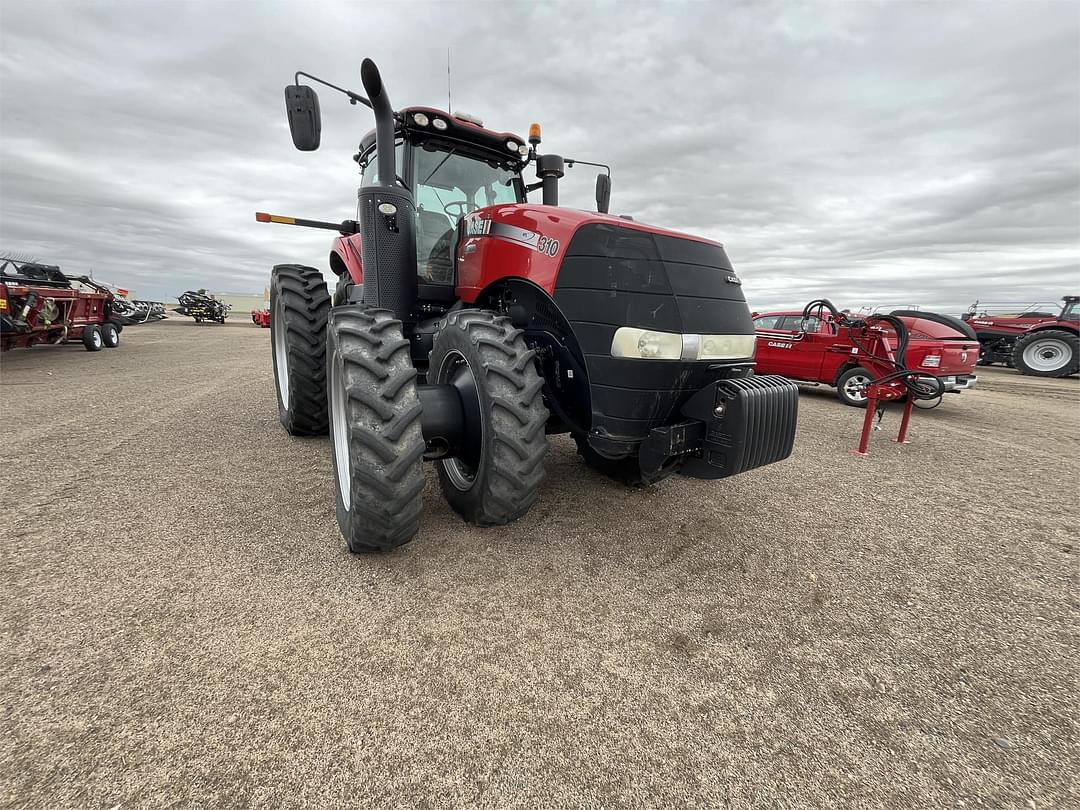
pixel 384 122
pixel 387 216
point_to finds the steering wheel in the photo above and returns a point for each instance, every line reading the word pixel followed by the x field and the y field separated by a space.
pixel 462 206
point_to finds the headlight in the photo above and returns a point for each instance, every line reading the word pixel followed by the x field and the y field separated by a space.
pixel 646 344
pixel 420 119
pixel 439 124
pixel 725 347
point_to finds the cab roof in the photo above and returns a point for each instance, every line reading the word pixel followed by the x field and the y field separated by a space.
pixel 458 130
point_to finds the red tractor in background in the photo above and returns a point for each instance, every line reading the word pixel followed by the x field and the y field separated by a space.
pixel 39 304
pixel 1039 343
pixel 822 345
pixel 466 323
pixel 261 318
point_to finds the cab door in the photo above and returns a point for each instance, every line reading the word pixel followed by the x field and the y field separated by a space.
pixel 773 350
pixel 806 354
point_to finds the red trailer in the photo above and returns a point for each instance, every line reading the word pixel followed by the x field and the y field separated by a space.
pixel 821 348
pixel 39 304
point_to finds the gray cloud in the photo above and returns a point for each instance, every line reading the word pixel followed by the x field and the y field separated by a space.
pixel 918 153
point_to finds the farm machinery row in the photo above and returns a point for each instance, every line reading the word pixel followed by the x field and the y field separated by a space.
pixel 467 323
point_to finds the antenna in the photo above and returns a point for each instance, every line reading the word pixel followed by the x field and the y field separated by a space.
pixel 449 106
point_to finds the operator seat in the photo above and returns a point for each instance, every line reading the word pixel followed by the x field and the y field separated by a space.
pixel 434 237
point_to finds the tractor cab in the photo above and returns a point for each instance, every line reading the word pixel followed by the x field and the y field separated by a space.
pixel 1071 310
pixel 453 166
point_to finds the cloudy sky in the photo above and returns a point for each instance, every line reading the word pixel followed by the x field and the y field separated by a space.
pixel 873 153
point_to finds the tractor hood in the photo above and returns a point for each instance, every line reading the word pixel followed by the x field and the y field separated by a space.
pixel 532 241
pixel 602 273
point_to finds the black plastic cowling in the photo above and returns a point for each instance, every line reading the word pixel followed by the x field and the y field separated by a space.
pixel 387 216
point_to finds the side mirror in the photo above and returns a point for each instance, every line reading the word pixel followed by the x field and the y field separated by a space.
pixel 305 123
pixel 603 193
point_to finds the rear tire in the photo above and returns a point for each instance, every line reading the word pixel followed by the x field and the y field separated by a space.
pixel 498 481
pixel 92 339
pixel 849 384
pixel 300 304
pixel 376 444
pixel 1049 353
pixel 110 334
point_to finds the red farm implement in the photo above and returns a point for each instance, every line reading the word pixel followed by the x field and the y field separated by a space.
pixel 40 305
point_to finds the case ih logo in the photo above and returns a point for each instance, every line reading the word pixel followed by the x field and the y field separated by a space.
pixel 474 226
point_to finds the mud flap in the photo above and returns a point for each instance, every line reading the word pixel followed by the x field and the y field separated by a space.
pixel 732 426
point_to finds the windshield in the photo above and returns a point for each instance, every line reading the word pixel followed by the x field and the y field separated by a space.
pixel 455 184
pixel 447 186
pixel 1071 312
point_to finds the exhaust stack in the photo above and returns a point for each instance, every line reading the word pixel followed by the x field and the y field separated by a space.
pixel 384 121
pixel 387 215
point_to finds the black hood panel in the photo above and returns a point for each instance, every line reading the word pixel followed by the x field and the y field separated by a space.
pixel 612 277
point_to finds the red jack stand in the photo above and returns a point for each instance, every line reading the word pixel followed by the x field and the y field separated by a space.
pixel 878 393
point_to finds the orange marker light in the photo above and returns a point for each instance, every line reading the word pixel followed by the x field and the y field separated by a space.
pixel 261 217
pixel 534 134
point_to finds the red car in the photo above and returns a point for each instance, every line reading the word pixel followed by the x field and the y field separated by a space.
pixel 825 352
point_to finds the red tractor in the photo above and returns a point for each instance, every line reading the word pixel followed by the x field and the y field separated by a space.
pixel 1039 343
pixel 261 318
pixel 39 304
pixel 850 352
pixel 466 323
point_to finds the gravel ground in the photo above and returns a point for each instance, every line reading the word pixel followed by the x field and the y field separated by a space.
pixel 182 625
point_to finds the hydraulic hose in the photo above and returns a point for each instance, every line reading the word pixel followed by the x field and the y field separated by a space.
pixel 919 384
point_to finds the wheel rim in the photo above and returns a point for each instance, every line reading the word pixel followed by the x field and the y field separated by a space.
pixel 281 354
pixel 1047 354
pixel 855 387
pixel 340 431
pixel 455 370
pixel 97 340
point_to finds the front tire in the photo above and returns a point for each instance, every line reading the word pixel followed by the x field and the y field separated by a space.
pixel 496 482
pixel 377 446
pixel 300 305
pixel 851 386
pixel 1049 353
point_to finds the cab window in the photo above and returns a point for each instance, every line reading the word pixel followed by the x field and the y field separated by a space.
pixel 794 323
pixel 766 322
pixel 368 176
pixel 447 185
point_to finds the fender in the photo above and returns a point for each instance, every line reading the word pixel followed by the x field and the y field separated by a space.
pixel 345 256
pixel 549 334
